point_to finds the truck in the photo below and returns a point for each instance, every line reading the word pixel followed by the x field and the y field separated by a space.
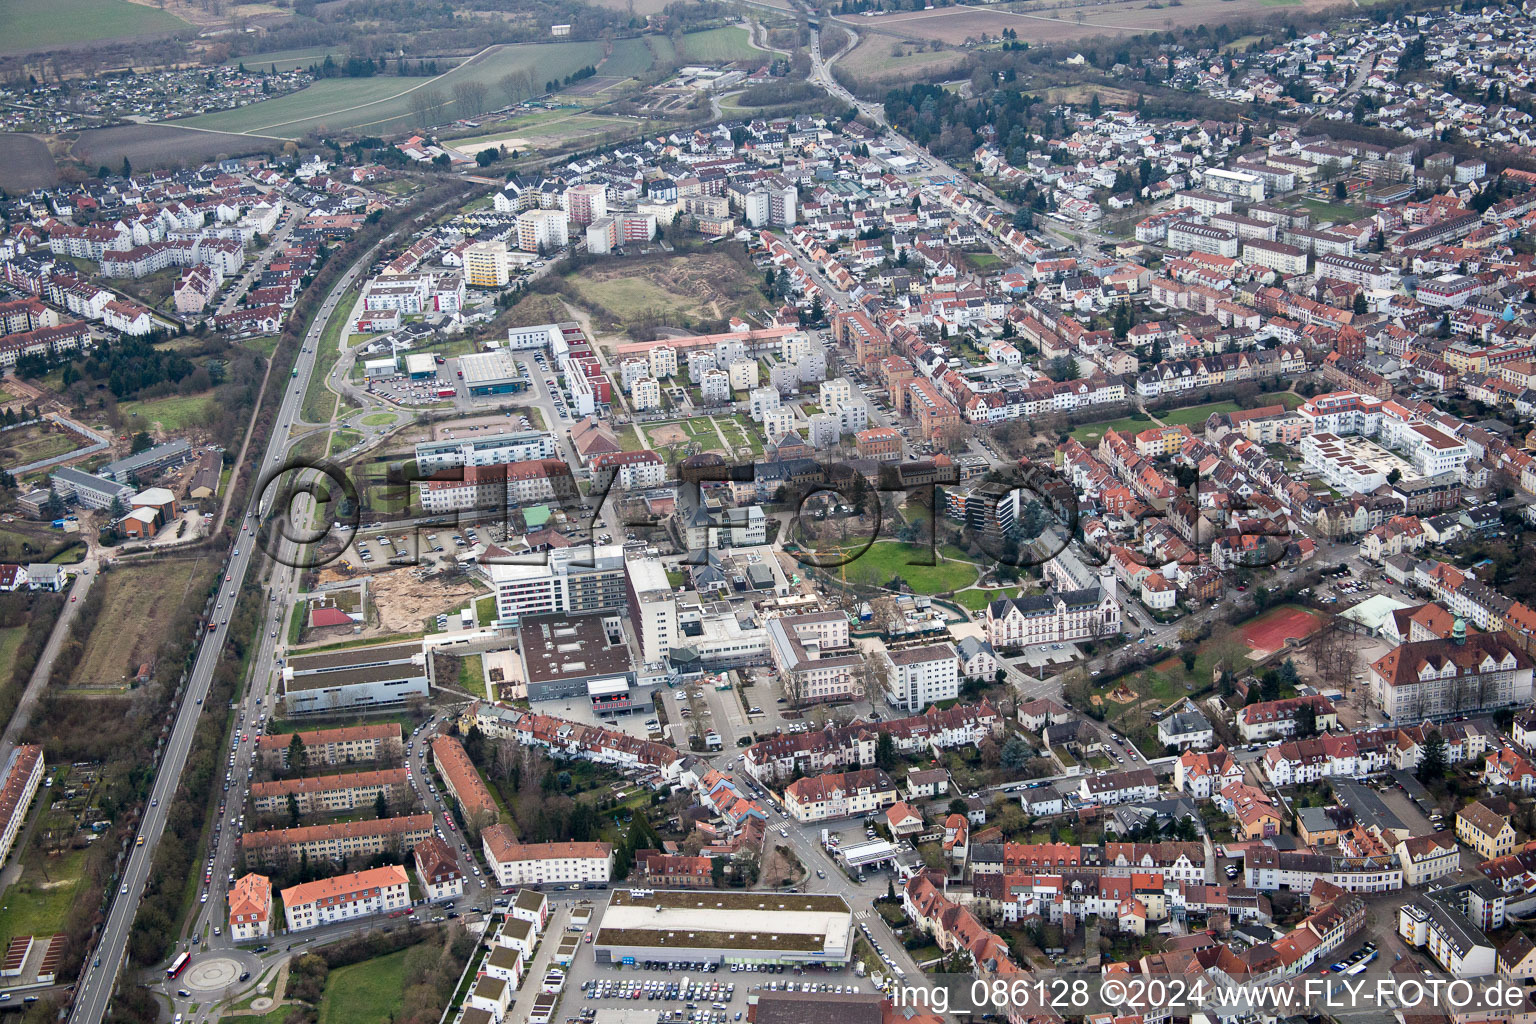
pixel 295 372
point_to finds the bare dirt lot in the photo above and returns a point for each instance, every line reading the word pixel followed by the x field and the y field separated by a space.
pixel 1064 22
pixel 670 290
pixel 137 608
pixel 403 600
pixel 25 163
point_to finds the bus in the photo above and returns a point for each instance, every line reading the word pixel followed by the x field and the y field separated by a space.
pixel 178 965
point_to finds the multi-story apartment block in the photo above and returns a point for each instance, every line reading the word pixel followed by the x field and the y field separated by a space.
pixel 916 677
pixel 346 897
pixel 812 656
pixel 349 745
pixel 335 843
pixel 250 908
pixel 330 794
pixel 515 863
pixel 840 795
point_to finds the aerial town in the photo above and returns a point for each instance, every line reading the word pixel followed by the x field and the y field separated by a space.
pixel 519 517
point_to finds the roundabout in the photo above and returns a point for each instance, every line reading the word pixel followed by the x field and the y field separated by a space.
pixel 212 974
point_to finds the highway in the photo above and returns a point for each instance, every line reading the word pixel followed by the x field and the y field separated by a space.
pixel 95 988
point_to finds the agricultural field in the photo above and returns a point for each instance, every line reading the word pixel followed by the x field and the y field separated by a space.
pixel 140 602
pixel 383 103
pixel 879 58
pixel 38 24
pixel 680 289
pixel 25 163
pixel 713 46
pixel 151 146
pixel 1053 23
pixel 287 60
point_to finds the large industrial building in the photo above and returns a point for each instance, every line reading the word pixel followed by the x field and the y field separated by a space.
pixel 362 677
pixel 492 373
pixel 724 927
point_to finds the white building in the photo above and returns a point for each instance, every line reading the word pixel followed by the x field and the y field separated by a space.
pixel 515 863
pixel 645 394
pixel 346 897
pixel 654 607
pixel 919 676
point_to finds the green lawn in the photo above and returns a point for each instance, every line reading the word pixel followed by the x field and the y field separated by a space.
pixel 1322 211
pixel 365 993
pixel 1195 416
pixel 1089 434
pixel 378 419
pixel 977 600
pixel 38 902
pixel 10 639
pixel 886 559
pixel 174 413
pixel 320 401
pixel 341 440
pixel 983 261
pixel 27 24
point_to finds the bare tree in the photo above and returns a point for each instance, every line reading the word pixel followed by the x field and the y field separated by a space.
pixel 470 97
pixel 427 107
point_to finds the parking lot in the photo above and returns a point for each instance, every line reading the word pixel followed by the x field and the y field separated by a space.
pixel 403 390
pixel 696 991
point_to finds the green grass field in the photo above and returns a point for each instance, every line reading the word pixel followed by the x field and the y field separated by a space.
pixel 365 993
pixel 378 419
pixel 29 24
pixel 175 413
pixel 383 103
pixel 38 902
pixel 1090 433
pixel 713 45
pixel 629 57
pixel 1322 211
pixel 1195 416
pixel 22 446
pixel 886 559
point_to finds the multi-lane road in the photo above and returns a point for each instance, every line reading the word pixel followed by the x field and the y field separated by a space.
pixel 95 989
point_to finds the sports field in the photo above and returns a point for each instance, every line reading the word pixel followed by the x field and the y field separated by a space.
pixel 383 103
pixel 1268 632
pixel 33 24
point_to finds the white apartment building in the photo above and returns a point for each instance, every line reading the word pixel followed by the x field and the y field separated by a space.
pixel 812 655
pixel 1351 465
pixel 715 386
pixel 515 863
pixel 645 394
pixel 22 776
pixel 524 446
pixel 654 607
pixel 919 676
pixel 760 401
pixel 346 897
pixel 743 374
pixel 541 228
pixel 1286 259
pixel 663 362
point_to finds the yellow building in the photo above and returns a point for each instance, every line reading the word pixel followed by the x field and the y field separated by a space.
pixel 1485 830
pixel 486 265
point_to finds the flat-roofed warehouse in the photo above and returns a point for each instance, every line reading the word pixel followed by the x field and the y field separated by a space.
pixel 491 373
pixel 724 927
pixel 358 677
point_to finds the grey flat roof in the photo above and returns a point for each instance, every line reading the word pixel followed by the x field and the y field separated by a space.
pixel 356 677
pixel 355 657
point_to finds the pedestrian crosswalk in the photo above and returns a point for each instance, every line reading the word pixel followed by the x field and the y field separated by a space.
pixel 861 915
